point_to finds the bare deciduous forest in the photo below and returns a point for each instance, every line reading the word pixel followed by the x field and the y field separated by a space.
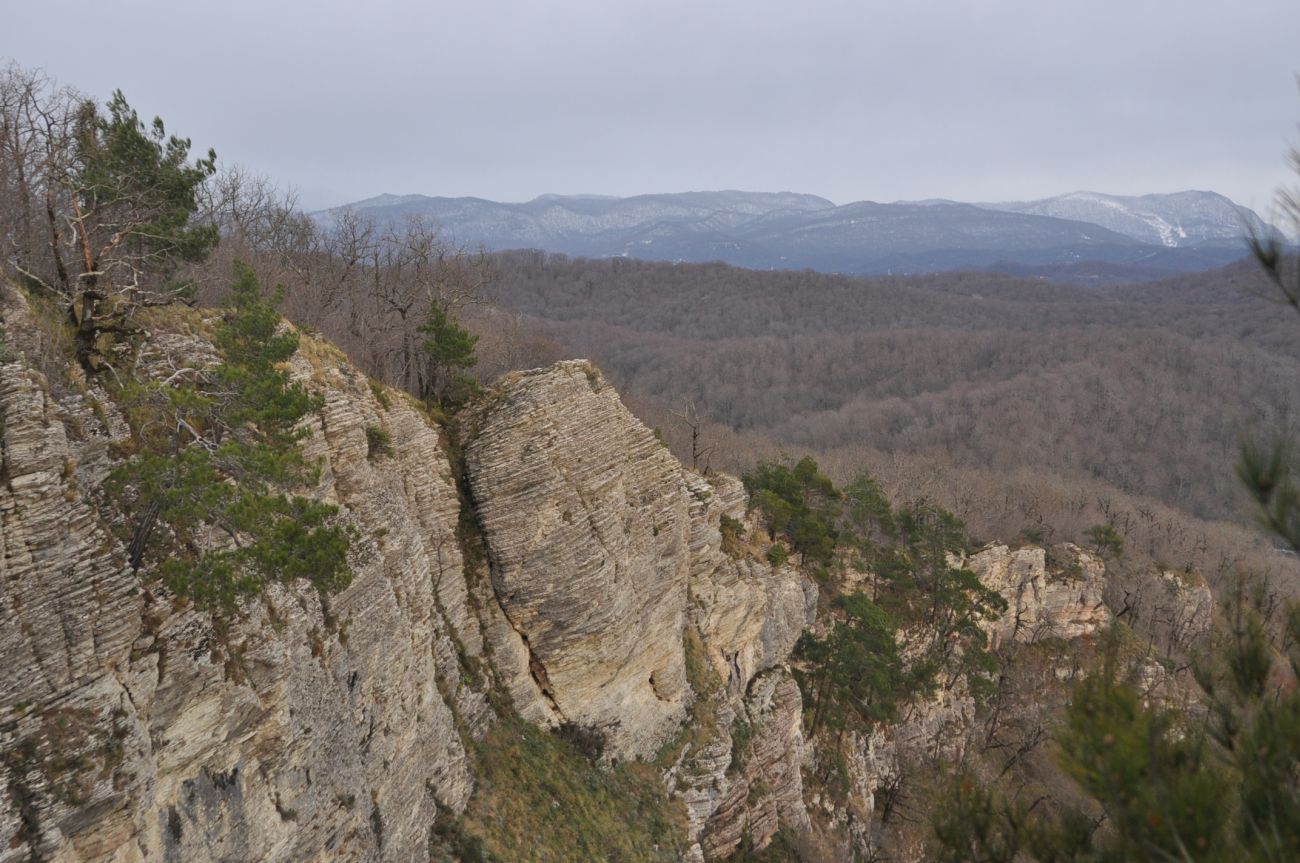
pixel 1030 408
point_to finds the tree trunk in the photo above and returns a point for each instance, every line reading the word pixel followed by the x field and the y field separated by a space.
pixel 140 538
pixel 83 311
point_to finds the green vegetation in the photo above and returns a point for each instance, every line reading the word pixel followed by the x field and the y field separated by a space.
pixel 918 583
pixel 854 677
pixel 381 395
pixel 799 503
pixel 777 555
pixel 910 552
pixel 379 443
pixel 1105 541
pixel 541 800
pixel 733 535
pixel 1161 776
pixel 215 449
pixel 447 353
pixel 868 519
pixel 451 842
pixel 132 195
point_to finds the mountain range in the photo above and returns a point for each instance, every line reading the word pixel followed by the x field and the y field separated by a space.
pixel 1082 236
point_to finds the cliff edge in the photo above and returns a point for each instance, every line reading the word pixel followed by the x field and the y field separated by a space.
pixel 309 726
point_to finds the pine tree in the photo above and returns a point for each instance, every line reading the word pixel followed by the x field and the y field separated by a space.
pixel 132 192
pixel 448 351
pixel 206 493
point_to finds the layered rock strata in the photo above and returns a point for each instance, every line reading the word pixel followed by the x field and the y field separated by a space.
pixel 305 728
pixel 597 537
pixel 586 518
pixel 308 727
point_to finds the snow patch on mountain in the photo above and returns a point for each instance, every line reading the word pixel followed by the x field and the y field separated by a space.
pixel 1174 220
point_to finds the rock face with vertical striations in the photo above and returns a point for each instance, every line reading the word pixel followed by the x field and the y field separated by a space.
pixel 764 790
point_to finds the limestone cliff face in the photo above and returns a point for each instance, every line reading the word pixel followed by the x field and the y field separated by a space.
pixel 586 519
pixel 750 613
pixel 134 727
pixel 1063 602
pixel 765 790
pixel 305 729
pixel 603 549
pixel 598 538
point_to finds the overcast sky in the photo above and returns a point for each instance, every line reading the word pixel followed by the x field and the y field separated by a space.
pixel 505 99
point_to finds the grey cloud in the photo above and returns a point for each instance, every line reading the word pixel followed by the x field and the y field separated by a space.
pixel 883 101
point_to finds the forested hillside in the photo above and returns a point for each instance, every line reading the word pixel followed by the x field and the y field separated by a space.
pixel 1022 403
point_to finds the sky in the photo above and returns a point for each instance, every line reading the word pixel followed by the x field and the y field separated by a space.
pixel 508 99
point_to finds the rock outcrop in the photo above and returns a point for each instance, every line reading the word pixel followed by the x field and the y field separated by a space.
pixel 597 539
pixel 764 790
pixel 1055 596
pixel 1063 601
pixel 586 519
pixel 750 612
pixel 307 727
pixel 603 548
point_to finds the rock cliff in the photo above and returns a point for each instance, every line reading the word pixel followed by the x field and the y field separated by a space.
pixel 311 727
pixel 1054 597
pixel 544 558
pixel 1062 602
pixel 305 728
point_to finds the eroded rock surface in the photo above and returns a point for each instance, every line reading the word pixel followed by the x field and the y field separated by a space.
pixel 134 728
pixel 586 520
pixel 749 612
pixel 601 544
pixel 764 791
pixel 1064 601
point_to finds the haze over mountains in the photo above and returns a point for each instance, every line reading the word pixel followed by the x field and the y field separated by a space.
pixel 1083 236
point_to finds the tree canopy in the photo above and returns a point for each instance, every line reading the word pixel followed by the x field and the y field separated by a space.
pixel 217 450
pixel 131 192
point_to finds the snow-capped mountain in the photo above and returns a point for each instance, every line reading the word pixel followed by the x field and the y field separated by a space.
pixel 590 224
pixel 1080 234
pixel 1174 220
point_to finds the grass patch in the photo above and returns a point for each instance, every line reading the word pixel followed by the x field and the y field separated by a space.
pixel 379 443
pixel 541 800
pixel 381 395
pixel 733 536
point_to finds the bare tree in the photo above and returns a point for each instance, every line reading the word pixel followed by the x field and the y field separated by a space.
pixel 115 198
pixel 690 417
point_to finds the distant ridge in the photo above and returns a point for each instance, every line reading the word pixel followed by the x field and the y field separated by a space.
pixel 1082 236
pixel 1173 220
